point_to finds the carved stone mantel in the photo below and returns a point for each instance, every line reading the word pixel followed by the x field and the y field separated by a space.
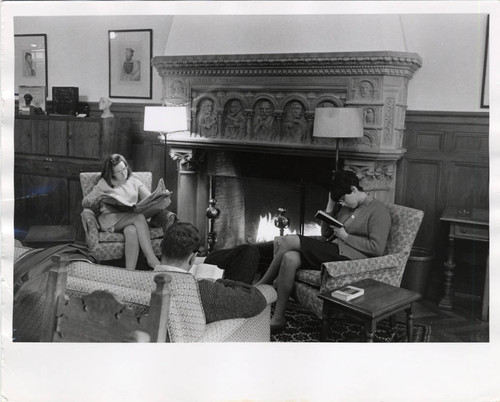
pixel 266 103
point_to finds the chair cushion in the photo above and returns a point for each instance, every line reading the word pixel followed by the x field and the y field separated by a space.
pixel 310 277
pixel 118 237
pixel 219 331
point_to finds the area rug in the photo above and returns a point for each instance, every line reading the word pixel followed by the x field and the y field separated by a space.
pixel 303 326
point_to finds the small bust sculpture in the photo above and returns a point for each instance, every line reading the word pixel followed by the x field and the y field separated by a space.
pixel 105 105
pixel 27 99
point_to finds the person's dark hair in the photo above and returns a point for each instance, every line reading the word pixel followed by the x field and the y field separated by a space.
pixel 107 167
pixel 180 240
pixel 342 182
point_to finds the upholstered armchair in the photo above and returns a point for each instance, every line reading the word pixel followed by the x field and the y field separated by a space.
pixel 186 318
pixel 107 246
pixel 388 269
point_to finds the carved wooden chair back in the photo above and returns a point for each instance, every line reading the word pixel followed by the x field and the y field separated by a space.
pixel 100 316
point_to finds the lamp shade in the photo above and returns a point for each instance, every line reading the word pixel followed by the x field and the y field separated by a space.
pixel 165 119
pixel 338 122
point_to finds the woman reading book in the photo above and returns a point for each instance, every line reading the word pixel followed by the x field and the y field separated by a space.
pixel 365 227
pixel 117 182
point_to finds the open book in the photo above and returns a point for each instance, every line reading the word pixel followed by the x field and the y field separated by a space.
pixel 154 198
pixel 206 271
pixel 329 220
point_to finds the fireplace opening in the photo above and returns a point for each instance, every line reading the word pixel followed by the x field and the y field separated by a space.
pixel 259 185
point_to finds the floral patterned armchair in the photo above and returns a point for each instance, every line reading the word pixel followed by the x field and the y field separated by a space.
pixel 107 246
pixel 388 269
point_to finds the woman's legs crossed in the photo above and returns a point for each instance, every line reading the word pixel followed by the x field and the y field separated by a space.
pixel 288 243
pixel 131 247
pixel 290 262
pixel 141 225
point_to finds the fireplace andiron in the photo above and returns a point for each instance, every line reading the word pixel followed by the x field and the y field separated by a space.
pixel 281 221
pixel 212 214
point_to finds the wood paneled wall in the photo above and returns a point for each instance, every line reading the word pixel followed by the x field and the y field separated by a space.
pixel 446 163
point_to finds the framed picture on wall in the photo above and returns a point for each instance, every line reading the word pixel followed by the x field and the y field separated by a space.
pixel 485 90
pixel 130 72
pixel 30 65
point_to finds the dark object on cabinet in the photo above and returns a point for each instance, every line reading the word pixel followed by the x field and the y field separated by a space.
pixel 50 153
pixel 65 100
pixel 84 109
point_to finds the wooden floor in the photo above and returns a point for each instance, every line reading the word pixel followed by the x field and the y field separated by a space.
pixel 462 324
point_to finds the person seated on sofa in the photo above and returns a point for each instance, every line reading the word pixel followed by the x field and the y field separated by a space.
pixel 222 299
pixel 366 228
pixel 117 179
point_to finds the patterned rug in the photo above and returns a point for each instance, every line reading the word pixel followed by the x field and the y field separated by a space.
pixel 303 326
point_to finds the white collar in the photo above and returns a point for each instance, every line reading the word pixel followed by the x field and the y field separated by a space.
pixel 170 268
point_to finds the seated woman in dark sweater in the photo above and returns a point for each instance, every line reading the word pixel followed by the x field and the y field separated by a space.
pixel 222 299
pixel 366 227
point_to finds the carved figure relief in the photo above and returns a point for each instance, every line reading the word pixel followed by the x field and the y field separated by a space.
pixel 177 89
pixel 365 90
pixel 207 119
pixel 234 120
pixel 389 119
pixel 370 116
pixel 326 104
pixel 263 122
pixel 294 123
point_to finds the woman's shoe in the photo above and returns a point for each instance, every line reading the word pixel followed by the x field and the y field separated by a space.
pixel 277 328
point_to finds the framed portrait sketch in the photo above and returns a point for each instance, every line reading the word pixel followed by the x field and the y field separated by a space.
pixel 130 54
pixel 30 55
pixel 485 90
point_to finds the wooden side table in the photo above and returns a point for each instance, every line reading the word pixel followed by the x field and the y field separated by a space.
pixel 475 227
pixel 379 301
pixel 49 235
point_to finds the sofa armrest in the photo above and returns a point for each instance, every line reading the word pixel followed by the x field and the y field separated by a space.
pixel 91 227
pixel 268 292
pixel 388 269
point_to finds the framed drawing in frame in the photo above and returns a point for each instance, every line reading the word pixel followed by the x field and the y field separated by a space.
pixel 485 90
pixel 130 71
pixel 30 66
pixel 32 99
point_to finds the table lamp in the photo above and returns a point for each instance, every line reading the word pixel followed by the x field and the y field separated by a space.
pixel 338 122
pixel 165 120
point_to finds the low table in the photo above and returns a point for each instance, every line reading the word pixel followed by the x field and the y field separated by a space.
pixel 379 301
pixel 49 235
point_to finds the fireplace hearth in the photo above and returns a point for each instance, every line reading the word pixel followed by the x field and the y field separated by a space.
pixel 257 111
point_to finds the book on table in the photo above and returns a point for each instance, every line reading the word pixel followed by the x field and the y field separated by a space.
pixel 206 271
pixel 151 200
pixel 329 220
pixel 347 293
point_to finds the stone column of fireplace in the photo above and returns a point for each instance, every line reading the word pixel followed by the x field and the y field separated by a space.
pixel 192 189
pixel 266 103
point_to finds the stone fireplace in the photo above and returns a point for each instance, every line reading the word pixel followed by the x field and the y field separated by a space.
pixel 251 123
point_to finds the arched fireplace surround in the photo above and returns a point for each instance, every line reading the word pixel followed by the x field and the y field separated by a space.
pixel 263 105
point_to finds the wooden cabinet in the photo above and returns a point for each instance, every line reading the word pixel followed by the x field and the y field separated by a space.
pixel 50 153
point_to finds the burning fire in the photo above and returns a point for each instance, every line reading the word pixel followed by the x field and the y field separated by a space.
pixel 267 231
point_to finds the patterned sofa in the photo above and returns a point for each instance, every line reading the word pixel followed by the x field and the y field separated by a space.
pixel 388 269
pixel 186 315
